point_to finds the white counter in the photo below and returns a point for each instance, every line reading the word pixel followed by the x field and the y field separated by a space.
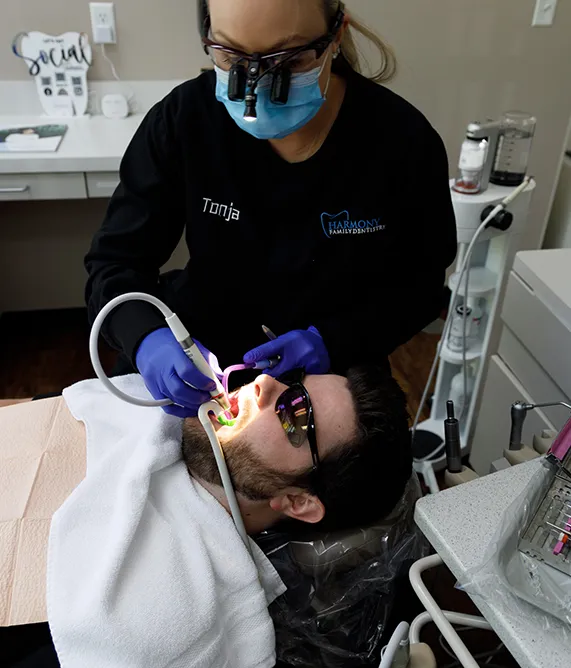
pixel 91 144
pixel 459 523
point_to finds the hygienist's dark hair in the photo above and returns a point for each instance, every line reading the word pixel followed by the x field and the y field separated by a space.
pixel 360 482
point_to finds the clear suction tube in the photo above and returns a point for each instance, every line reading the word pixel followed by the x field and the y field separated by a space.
pixel 514 147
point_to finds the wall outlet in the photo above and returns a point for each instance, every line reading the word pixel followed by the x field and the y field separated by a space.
pixel 103 22
pixel 544 13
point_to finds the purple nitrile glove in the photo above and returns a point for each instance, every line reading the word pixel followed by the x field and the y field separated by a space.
pixel 168 373
pixel 299 348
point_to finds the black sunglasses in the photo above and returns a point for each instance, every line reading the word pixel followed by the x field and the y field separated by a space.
pixel 295 412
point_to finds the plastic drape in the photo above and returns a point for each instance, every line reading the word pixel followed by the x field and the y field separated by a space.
pixel 509 577
pixel 341 588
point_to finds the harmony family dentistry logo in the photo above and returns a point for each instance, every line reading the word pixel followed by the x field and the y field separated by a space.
pixel 341 223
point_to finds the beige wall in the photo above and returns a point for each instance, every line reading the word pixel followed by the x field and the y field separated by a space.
pixel 171 24
pixel 459 60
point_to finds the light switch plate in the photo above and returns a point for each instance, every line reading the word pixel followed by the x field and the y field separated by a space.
pixel 544 13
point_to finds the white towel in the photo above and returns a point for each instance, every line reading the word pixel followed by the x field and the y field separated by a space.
pixel 145 567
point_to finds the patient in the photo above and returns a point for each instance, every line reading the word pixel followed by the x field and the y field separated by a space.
pixel 361 458
pixel 325 451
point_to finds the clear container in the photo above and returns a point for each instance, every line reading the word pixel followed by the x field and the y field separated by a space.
pixel 471 166
pixel 514 147
pixel 456 336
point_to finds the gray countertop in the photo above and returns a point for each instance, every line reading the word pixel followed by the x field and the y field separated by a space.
pixel 460 522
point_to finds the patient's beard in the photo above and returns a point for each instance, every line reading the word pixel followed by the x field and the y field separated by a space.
pixel 250 476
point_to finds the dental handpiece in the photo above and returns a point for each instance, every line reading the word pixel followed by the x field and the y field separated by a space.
pixel 452 440
pixel 518 414
pixel 192 351
pixel 262 365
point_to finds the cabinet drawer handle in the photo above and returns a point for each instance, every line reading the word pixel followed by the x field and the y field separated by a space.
pixel 6 191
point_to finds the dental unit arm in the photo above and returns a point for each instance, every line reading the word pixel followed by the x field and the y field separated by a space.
pixel 181 335
pixel 190 349
pixel 219 404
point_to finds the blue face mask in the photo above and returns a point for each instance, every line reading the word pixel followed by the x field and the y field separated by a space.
pixel 276 121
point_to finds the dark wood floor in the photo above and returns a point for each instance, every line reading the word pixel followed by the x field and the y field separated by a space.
pixel 46 351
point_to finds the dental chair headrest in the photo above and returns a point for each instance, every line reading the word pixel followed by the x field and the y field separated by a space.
pixel 322 557
pixel 341 587
pixel 344 550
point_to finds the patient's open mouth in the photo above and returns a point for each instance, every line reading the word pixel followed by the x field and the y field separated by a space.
pixel 234 408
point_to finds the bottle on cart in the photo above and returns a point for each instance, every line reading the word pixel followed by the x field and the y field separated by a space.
pixel 456 336
pixel 471 166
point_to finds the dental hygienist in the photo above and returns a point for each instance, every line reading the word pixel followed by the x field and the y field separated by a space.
pixel 312 200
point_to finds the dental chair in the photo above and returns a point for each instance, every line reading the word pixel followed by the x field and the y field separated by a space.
pixel 344 588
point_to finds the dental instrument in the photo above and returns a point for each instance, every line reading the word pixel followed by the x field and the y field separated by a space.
pixel 545 537
pixel 456 473
pixel 262 365
pixel 268 332
pixel 452 440
pixel 519 411
pixel 181 335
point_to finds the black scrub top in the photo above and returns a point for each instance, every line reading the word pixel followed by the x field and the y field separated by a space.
pixel 355 240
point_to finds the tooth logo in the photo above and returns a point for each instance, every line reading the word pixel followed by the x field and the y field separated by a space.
pixel 341 223
pixel 328 221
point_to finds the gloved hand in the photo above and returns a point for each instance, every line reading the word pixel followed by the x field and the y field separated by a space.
pixel 168 372
pixel 299 348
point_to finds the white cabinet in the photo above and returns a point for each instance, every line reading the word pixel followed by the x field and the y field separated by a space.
pixel 558 233
pixel 533 362
pixel 101 184
pixel 76 185
pixel 14 187
pixel 546 336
